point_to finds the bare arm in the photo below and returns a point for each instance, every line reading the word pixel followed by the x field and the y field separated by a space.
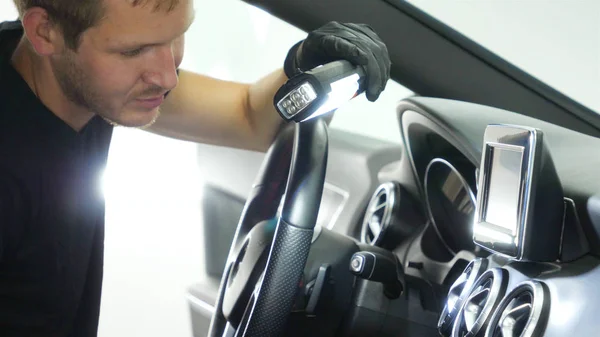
pixel 212 111
pixel 207 110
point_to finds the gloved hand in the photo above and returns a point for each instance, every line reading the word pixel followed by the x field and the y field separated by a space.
pixel 356 43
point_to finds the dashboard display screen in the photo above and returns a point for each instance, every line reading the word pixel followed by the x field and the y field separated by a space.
pixel 504 188
pixel 520 203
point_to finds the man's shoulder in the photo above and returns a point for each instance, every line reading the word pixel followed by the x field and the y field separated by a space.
pixel 11 91
pixel 10 30
pixel 11 25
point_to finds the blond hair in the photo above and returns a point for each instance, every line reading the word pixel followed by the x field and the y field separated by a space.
pixel 74 17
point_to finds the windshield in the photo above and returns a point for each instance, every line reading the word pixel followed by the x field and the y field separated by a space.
pixel 557 42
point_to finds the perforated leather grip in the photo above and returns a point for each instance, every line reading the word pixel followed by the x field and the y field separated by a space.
pixel 281 281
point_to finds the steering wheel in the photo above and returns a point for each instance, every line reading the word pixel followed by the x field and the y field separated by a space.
pixel 273 237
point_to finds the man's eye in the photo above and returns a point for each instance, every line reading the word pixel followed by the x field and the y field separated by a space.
pixel 132 53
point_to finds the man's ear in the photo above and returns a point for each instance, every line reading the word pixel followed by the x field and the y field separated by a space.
pixel 44 35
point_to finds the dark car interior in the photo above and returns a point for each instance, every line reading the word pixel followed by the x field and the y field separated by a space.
pixel 484 221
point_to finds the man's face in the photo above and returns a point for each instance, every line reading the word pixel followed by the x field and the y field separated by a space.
pixel 126 64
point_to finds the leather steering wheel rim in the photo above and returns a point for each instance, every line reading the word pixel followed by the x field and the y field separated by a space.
pixel 294 167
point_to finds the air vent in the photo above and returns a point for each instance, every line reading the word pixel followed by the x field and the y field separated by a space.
pixel 379 213
pixel 477 308
pixel 458 292
pixel 522 313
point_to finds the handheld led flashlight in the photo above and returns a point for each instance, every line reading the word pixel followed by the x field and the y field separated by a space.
pixel 319 90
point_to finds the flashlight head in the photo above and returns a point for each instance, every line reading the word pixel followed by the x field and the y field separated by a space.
pixel 318 91
pixel 297 100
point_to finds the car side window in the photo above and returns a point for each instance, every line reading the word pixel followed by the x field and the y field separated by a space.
pixel 256 43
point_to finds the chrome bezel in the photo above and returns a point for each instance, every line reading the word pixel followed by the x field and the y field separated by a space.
pixel 528 142
pixel 496 293
pixel 539 309
pixel 390 189
pixel 460 289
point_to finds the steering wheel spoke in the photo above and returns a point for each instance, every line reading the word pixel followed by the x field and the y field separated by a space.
pixel 267 307
pixel 281 282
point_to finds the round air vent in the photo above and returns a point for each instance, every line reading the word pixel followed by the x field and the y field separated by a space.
pixel 458 292
pixel 522 313
pixel 380 213
pixel 391 216
pixel 477 308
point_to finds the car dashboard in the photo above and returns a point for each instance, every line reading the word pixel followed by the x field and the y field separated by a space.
pixel 422 205
pixel 418 200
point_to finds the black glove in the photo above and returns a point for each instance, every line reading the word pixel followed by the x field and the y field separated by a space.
pixel 356 43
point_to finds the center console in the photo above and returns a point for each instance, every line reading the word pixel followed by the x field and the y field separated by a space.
pixel 523 219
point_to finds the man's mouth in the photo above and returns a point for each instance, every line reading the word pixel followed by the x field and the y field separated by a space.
pixel 151 102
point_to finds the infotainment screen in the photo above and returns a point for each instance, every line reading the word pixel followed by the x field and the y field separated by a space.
pixel 504 187
pixel 519 199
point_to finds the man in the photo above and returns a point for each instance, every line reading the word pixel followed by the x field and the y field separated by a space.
pixel 69 71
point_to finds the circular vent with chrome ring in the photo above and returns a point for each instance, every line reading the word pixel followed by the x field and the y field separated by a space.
pixel 458 292
pixel 477 308
pixel 390 216
pixel 522 313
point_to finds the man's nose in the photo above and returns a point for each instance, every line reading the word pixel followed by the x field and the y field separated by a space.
pixel 163 70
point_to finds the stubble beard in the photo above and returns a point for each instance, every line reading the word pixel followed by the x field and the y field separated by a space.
pixel 78 89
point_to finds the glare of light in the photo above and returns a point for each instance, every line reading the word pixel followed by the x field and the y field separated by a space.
pixel 505 216
pixel 568 312
pixel 260 21
pixel 145 170
pixel 496 236
pixel 118 189
pixel 342 91
pixel 9 13
pixel 452 303
pixel 220 71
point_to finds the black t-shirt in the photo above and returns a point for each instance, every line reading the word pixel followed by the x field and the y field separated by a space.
pixel 51 212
